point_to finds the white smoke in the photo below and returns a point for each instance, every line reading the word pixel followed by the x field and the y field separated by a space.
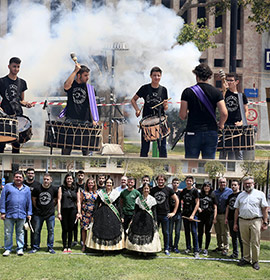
pixel 148 31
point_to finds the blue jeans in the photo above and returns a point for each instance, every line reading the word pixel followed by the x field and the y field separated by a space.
pixel 145 146
pixel 201 141
pixel 8 228
pixel 176 222
pixel 191 227
pixel 164 221
pixel 38 223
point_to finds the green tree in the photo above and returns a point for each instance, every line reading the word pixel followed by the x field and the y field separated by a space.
pixel 214 169
pixel 258 170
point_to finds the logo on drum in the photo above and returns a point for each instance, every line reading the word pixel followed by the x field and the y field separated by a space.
pixel 45 198
pixel 78 95
pixel 160 197
pixel 232 103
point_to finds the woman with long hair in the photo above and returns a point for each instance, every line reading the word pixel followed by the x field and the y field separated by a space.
pixel 143 234
pixel 67 210
pixel 87 200
pixel 106 232
pixel 207 215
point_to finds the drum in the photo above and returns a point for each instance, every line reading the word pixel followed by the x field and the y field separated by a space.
pixel 154 128
pixel 77 136
pixel 24 128
pixel 8 129
pixel 236 138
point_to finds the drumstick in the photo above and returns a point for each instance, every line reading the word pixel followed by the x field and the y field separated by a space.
pixel 193 220
pixel 160 103
pixel 224 82
pixel 74 57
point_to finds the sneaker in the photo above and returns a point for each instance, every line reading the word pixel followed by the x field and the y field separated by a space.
pixel 65 251
pixel 217 250
pixel 224 253
pixel 33 251
pixel 20 252
pixel 69 250
pixel 51 251
pixel 196 255
pixel 167 253
pixel 243 262
pixel 256 266
pixel 205 253
pixel 187 251
pixel 234 256
pixel 6 253
pixel 176 251
pixel 73 244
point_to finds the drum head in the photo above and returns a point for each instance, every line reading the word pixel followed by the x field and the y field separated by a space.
pixel 23 123
pixel 154 120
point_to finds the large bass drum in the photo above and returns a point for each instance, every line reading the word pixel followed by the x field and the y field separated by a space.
pixel 73 135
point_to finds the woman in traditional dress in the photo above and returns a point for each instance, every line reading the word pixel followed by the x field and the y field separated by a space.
pixel 207 215
pixel 88 197
pixel 143 233
pixel 67 210
pixel 106 231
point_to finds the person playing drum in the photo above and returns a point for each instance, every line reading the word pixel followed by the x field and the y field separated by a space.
pixel 78 107
pixel 12 90
pixel 153 94
pixel 231 98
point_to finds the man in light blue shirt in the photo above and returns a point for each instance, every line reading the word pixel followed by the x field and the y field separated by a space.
pixel 15 206
pixel 222 230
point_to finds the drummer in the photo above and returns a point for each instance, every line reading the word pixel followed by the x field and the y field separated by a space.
pixel 12 90
pixel 78 108
pixel 153 94
pixel 231 98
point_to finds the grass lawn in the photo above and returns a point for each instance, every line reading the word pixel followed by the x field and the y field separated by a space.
pixel 123 266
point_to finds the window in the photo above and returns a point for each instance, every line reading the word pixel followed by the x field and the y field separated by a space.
pixel 230 166
pixel 218 62
pixel 201 13
pixel 239 13
pixel 239 63
pixel 218 84
pixel 203 60
pixel 218 19
pixel 201 167
pixel 166 3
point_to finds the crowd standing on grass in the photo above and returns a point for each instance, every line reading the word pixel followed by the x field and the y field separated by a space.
pixel 114 218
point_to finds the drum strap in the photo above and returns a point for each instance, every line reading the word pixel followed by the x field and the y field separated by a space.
pixel 204 99
pixel 242 109
pixel 92 103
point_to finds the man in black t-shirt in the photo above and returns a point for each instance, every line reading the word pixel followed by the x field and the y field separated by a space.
pixel 229 219
pixel 78 106
pixel 44 199
pixel 201 131
pixel 162 194
pixel 12 90
pixel 152 94
pixel 234 114
pixel 191 203
pixel 32 184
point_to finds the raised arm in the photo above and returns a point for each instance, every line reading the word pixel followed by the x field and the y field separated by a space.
pixel 71 78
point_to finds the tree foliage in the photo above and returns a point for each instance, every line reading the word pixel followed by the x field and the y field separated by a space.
pixel 214 169
pixel 258 170
pixel 199 34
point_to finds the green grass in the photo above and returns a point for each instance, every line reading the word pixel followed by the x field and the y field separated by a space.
pixel 123 265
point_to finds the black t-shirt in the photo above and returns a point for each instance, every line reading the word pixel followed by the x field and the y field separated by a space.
pixel 152 96
pixel 12 97
pixel 189 197
pixel 78 103
pixel 207 203
pixel 32 185
pixel 232 104
pixel 69 197
pixel 199 118
pixel 45 200
pixel 172 203
pixel 230 201
pixel 162 196
pixel 80 186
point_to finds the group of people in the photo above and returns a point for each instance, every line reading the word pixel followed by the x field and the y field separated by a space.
pixel 113 218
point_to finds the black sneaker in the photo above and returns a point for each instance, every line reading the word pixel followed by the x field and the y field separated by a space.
pixel 243 263
pixel 73 244
pixel 51 251
pixel 256 266
pixel 234 256
pixel 217 250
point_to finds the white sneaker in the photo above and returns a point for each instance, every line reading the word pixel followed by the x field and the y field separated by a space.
pixel 6 253
pixel 20 252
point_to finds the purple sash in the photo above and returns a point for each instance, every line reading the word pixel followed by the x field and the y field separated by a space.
pixel 92 102
pixel 204 99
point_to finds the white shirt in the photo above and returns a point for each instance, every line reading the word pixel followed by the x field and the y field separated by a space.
pixel 250 204
pixel 120 189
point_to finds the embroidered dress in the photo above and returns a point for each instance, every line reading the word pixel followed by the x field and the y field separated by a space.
pixel 88 203
pixel 106 232
pixel 143 234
